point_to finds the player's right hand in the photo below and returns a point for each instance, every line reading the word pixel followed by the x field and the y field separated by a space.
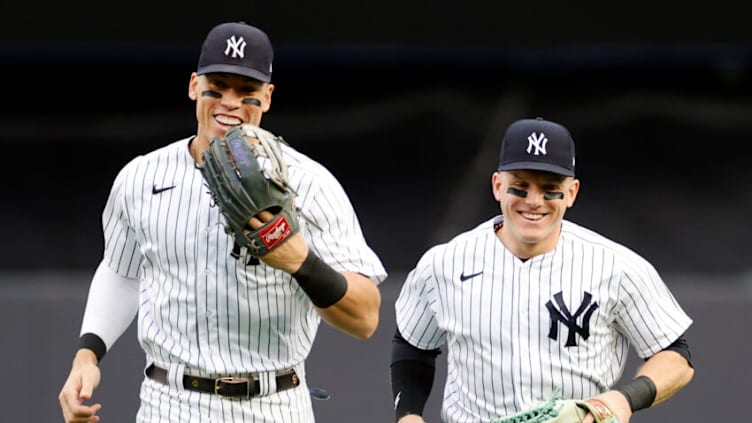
pixel 83 379
pixel 411 418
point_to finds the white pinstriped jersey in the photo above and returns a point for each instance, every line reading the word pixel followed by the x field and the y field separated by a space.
pixel 204 309
pixel 517 330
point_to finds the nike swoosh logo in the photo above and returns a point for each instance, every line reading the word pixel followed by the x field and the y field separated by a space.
pixel 464 277
pixel 155 190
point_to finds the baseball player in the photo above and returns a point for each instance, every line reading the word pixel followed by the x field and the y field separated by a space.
pixel 531 306
pixel 225 334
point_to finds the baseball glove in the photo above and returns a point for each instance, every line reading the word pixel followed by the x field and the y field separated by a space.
pixel 558 410
pixel 246 174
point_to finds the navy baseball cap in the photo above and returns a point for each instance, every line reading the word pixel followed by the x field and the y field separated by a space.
pixel 537 144
pixel 237 48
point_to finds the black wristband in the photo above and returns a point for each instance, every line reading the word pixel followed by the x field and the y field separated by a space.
pixel 93 342
pixel 323 285
pixel 640 392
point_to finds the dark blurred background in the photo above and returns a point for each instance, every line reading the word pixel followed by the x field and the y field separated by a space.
pixel 406 103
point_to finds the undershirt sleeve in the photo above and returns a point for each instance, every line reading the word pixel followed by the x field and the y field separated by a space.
pixel 111 306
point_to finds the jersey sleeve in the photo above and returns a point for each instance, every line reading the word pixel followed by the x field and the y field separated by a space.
pixel 121 249
pixel 416 306
pixel 649 314
pixel 331 226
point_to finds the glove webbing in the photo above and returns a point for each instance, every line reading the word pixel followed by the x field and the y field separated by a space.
pixel 268 147
pixel 544 412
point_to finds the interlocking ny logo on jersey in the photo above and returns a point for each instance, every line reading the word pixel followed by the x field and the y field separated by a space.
pixel 235 47
pixel 563 316
pixel 537 142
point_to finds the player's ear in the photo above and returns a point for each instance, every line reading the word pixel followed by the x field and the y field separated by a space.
pixel 573 189
pixel 496 185
pixel 193 87
pixel 267 103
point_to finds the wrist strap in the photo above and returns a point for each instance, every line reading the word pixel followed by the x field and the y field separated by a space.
pixel 640 392
pixel 94 343
pixel 323 285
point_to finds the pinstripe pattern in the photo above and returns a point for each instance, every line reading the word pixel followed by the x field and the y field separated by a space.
pixel 206 310
pixel 500 358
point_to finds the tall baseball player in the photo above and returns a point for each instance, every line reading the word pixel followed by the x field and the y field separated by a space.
pixel 533 307
pixel 225 334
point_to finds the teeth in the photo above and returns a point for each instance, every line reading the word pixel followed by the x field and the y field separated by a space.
pixel 532 216
pixel 226 120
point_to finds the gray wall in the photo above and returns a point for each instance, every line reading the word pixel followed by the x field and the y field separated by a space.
pixel 41 316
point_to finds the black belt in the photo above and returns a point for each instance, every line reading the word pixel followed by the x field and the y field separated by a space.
pixel 231 387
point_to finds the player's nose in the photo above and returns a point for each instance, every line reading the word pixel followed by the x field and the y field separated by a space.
pixel 232 99
pixel 535 197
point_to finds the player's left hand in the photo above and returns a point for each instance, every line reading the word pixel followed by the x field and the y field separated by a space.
pixel 288 256
pixel 618 405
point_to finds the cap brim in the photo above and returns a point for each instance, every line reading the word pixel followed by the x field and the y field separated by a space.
pixel 547 167
pixel 237 70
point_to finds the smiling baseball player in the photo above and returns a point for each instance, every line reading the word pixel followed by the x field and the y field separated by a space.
pixel 225 330
pixel 532 307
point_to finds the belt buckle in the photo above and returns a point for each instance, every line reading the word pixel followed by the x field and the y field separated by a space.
pixel 232 381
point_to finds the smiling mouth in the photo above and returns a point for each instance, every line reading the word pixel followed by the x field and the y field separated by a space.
pixel 226 120
pixel 532 216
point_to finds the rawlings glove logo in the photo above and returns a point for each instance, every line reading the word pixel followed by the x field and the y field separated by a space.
pixel 275 233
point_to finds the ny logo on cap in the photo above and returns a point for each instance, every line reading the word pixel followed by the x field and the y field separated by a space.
pixel 237 47
pixel 538 142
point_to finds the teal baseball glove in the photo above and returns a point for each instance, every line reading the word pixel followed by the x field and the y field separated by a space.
pixel 558 410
